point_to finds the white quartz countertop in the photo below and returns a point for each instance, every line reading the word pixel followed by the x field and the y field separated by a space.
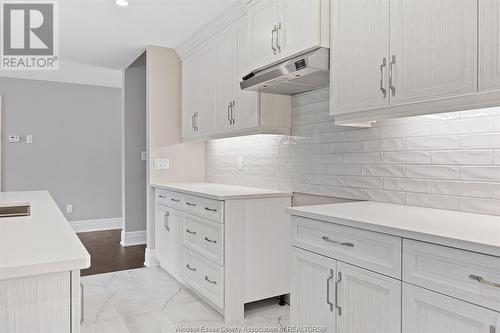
pixel 222 192
pixel 474 232
pixel 41 243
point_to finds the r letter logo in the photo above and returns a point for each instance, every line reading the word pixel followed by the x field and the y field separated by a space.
pixel 30 36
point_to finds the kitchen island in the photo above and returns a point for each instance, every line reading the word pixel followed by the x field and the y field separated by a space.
pixel 40 262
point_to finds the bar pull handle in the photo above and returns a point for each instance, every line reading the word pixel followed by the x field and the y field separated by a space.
pixel 327 239
pixel 210 241
pixel 191 232
pixel 328 290
pixel 391 83
pixel 210 281
pixel 190 268
pixel 382 88
pixel 337 306
pixel 480 279
pixel 166 221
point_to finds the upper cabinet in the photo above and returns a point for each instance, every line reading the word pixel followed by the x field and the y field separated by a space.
pixel 213 104
pixel 281 28
pixel 422 58
pixel 489 45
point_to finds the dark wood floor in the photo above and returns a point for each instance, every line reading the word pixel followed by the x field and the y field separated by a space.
pixel 107 255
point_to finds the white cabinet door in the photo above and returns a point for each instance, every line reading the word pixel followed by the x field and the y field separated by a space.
pixel 312 292
pixel 190 91
pixel 428 312
pixel 434 45
pixel 206 93
pixel 368 302
pixel 299 26
pixel 489 44
pixel 161 233
pixel 246 106
pixel 225 58
pixel 359 55
pixel 262 20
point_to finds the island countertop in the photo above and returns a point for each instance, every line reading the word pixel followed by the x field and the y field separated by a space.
pixel 222 191
pixel 41 243
pixel 469 231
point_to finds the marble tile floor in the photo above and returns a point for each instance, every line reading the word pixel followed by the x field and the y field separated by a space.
pixel 149 300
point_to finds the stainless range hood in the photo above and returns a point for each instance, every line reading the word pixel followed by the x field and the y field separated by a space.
pixel 305 72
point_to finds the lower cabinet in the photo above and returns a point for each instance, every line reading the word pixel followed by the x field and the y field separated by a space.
pixel 428 312
pixel 342 298
pixel 168 240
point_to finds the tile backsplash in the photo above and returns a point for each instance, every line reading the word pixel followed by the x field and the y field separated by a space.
pixel 449 161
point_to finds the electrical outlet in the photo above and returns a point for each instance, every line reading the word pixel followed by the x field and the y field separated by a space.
pixel 69 209
pixel 162 163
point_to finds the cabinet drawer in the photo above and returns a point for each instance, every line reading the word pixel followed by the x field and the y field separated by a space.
pixel 374 251
pixel 205 277
pixel 469 276
pixel 168 198
pixel 211 209
pixel 205 237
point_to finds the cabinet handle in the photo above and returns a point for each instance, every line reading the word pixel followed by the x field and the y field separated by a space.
pixel 82 302
pixel 272 39
pixel 229 113
pixel 166 218
pixel 192 121
pixel 328 290
pixel 210 241
pixel 382 89
pixel 174 200
pixel 480 279
pixel 210 281
pixel 233 103
pixel 391 84
pixel 190 268
pixel 191 204
pixel 191 232
pixel 327 239
pixel 161 196
pixel 337 306
pixel 278 46
pixel 211 209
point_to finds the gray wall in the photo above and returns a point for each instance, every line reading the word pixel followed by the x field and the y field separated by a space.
pixel 134 169
pixel 76 154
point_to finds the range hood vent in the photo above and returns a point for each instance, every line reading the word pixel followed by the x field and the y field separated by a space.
pixel 306 72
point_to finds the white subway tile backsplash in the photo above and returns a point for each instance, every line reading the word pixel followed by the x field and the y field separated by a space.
pixel 448 161
pixel 407 157
pixel 433 142
pixel 487 173
pixel 489 140
pixel 407 185
pixel 483 206
pixel 385 145
pixel 433 201
pixel 462 157
pixel 463 126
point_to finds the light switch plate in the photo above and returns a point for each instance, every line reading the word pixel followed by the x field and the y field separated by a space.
pixel 162 163
pixel 29 138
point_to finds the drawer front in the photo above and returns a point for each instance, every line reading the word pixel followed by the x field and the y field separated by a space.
pixel 204 236
pixel 205 277
pixel 371 250
pixel 211 209
pixel 469 276
pixel 168 198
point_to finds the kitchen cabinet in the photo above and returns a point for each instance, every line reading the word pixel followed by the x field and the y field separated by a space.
pixel 425 311
pixel 423 58
pixel 489 41
pixel 433 49
pixel 357 77
pixel 367 301
pixel 168 240
pixel 213 105
pixel 448 280
pixel 312 290
pixel 228 248
pixel 282 28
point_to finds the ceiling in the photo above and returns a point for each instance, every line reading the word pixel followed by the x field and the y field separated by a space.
pixel 99 33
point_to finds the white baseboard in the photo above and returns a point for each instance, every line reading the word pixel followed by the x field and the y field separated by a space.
pixel 130 238
pixel 150 258
pixel 97 225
